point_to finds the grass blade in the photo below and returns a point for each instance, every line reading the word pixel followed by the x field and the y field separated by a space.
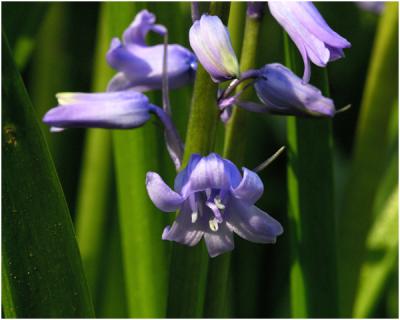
pixel 311 210
pixel 95 196
pixel 135 153
pixel 369 155
pixel 41 262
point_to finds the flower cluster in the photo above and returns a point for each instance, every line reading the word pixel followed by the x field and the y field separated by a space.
pixel 280 91
pixel 213 198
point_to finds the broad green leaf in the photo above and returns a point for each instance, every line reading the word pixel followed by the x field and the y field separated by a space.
pixel 311 209
pixel 369 155
pixel 42 270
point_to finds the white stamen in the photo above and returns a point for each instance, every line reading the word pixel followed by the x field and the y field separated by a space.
pixel 218 203
pixel 194 217
pixel 213 224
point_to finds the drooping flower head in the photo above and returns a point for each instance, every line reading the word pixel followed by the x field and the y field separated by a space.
pixel 282 92
pixel 140 66
pixel 211 43
pixel 214 201
pixel 113 110
pixel 313 37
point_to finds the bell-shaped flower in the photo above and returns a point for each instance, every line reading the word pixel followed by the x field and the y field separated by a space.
pixel 140 66
pixel 211 43
pixel 313 37
pixel 113 110
pixel 214 201
pixel 282 92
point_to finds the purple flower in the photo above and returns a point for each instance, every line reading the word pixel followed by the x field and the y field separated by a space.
pixel 313 37
pixel 210 41
pixel 113 110
pixel 140 65
pixel 214 201
pixel 282 92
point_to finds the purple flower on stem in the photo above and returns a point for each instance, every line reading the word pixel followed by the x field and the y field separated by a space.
pixel 282 92
pixel 140 66
pixel 111 110
pixel 313 37
pixel 210 41
pixel 214 201
pixel 372 6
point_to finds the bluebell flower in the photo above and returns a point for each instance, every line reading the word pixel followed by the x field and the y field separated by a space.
pixel 211 43
pixel 214 201
pixel 282 92
pixel 111 110
pixel 140 66
pixel 313 37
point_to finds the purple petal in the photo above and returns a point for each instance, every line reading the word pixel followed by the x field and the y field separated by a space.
pixel 285 93
pixel 251 223
pixel 210 41
pixel 250 188
pixel 310 17
pixel 220 241
pixel 182 177
pixel 163 197
pixel 211 172
pixel 117 110
pixel 143 23
pixel 183 230
pixel 143 66
pixel 309 31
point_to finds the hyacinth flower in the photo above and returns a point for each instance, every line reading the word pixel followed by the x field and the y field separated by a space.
pixel 111 110
pixel 282 92
pixel 214 201
pixel 211 43
pixel 141 66
pixel 372 6
pixel 313 37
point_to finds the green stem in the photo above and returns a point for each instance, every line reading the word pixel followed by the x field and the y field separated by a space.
pixel 310 210
pixel 234 147
pixel 188 270
pixel 369 157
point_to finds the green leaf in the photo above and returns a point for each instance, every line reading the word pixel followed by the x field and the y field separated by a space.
pixel 42 270
pixel 311 209
pixel 380 260
pixel 369 155
pixel 95 196
pixel 188 271
pixel 135 153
